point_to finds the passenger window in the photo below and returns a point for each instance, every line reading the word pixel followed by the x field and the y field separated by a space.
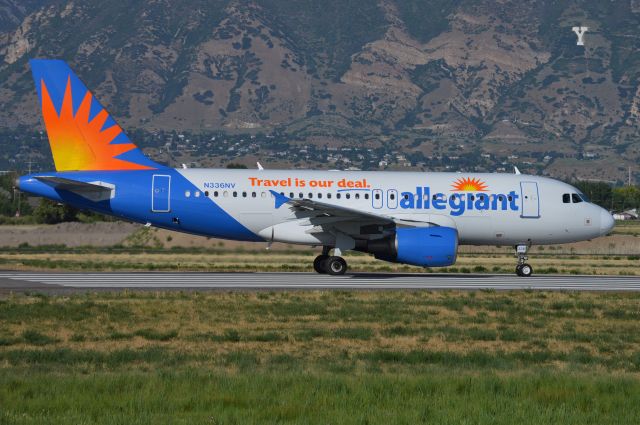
pixel 263 194
pixel 290 194
pixel 197 194
pixel 225 193
pixel 575 198
pixel 348 196
pixel 328 195
pixel 510 198
pixel 337 195
pixel 392 196
pixel 253 194
pixel 377 196
pixel 471 197
pixel 300 195
pixel 244 194
pixel 187 193
pixel 366 196
pixel 357 196
pixel 566 198
pixel 206 193
pixel 310 195
pixel 235 194
pixel 319 195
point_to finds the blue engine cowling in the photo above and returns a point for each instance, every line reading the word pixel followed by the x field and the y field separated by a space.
pixel 427 246
pixel 420 246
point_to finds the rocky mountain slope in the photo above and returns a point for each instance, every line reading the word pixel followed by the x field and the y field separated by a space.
pixel 495 79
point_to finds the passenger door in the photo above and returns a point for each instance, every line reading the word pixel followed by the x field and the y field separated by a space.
pixel 530 200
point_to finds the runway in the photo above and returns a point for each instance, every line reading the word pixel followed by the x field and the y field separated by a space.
pixel 71 282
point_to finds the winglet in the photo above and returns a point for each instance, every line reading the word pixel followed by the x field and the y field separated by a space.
pixel 280 198
pixel 515 170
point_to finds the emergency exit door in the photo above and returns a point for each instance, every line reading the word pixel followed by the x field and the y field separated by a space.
pixel 530 200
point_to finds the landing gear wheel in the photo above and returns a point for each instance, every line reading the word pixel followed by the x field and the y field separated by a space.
pixel 335 266
pixel 319 264
pixel 518 267
pixel 525 270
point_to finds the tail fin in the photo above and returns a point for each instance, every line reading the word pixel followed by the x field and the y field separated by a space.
pixel 82 134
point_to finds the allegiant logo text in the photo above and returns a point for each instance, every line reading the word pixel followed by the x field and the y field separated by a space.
pixel 458 203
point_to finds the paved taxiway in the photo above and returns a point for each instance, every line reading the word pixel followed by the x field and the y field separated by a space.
pixel 69 282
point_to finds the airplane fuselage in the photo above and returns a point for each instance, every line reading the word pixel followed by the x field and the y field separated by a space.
pixel 485 209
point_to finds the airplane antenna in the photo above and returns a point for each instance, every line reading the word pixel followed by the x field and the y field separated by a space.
pixel 260 167
pixel 515 170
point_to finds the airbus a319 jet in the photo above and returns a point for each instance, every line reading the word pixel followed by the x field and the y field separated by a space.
pixel 417 218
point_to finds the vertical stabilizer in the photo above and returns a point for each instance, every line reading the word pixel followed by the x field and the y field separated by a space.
pixel 82 134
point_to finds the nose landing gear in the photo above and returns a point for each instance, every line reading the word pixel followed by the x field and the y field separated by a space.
pixel 523 269
pixel 329 264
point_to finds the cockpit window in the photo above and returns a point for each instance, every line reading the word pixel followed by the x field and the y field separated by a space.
pixel 566 198
pixel 575 198
pixel 583 197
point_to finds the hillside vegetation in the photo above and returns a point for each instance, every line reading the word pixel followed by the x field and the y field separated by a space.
pixel 432 80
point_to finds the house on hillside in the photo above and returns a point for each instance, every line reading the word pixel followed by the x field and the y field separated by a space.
pixel 626 215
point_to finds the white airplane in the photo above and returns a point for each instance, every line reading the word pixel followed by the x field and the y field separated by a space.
pixel 404 217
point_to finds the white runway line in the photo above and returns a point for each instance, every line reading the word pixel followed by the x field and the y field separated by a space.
pixel 196 280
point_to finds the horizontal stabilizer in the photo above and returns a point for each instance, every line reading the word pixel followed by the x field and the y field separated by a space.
pixel 96 191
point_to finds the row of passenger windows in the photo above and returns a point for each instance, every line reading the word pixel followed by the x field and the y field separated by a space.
pixel 347 195
pixel 575 198
pixel 226 194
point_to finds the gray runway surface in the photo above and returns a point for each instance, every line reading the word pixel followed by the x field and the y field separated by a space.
pixel 70 282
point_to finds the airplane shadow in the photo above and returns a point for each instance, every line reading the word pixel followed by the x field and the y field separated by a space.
pixel 420 275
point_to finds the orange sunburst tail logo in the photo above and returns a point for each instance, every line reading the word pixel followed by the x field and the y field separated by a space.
pixel 468 184
pixel 81 133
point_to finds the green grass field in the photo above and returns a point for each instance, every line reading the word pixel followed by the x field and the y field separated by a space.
pixel 320 358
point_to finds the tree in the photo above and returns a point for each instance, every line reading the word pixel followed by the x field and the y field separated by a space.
pixel 235 165
pixel 626 197
pixel 50 212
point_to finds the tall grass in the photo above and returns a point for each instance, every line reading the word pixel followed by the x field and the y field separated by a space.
pixel 193 396
pixel 320 357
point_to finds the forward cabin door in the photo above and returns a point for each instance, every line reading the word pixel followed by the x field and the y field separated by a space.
pixel 161 193
pixel 530 200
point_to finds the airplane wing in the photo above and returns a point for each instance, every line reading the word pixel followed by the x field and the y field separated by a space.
pixel 94 190
pixel 327 210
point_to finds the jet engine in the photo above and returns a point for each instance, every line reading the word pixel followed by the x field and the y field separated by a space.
pixel 420 246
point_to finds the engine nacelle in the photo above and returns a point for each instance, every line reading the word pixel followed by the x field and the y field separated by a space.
pixel 420 246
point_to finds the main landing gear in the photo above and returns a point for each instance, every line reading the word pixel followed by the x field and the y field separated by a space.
pixel 329 264
pixel 523 269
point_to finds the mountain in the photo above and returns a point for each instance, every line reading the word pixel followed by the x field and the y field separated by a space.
pixel 477 84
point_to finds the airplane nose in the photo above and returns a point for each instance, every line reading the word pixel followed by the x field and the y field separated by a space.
pixel 606 222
